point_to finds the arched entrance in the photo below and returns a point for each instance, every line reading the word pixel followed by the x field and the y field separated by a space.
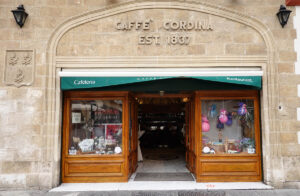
pixel 62 57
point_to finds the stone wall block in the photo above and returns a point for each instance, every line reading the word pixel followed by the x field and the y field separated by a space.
pixel 244 38
pixel 6 154
pixel 215 49
pixel 287 79
pixel 285 35
pixel 45 180
pixel 196 49
pixel 256 49
pixel 290 149
pixel 208 37
pixel 287 45
pixel 288 138
pixel 3 95
pixel 42 34
pixel 234 49
pixel 292 168
pixel 39 82
pixel 287 56
pixel 51 11
pixel 56 2
pixel 286 68
pixel 5 34
pixel 82 37
pixel 288 91
pixel 10 44
pixel 95 3
pixel 75 3
pixel 12 181
pixel 7 22
pixel 10 167
pixel 32 180
pixel 225 37
pixel 44 167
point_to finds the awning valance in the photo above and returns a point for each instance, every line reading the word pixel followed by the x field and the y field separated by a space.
pixel 71 83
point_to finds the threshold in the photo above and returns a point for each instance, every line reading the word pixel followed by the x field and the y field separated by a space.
pixel 160 186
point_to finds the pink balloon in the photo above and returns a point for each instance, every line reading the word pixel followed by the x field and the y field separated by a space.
pixel 223 117
pixel 205 126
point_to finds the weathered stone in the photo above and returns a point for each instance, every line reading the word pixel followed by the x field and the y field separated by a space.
pixel 196 50
pixel 256 50
pixel 288 138
pixel 287 56
pixel 290 149
pixel 32 180
pixel 235 49
pixel 9 167
pixel 292 168
pixel 286 68
pixel 12 181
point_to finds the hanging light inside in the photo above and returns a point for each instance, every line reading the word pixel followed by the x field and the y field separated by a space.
pixel 161 93
pixel 185 99
pixel 20 15
pixel 283 15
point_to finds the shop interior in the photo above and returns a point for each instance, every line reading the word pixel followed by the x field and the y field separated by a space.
pixel 161 132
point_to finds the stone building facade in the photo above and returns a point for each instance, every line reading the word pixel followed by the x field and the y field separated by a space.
pixel 61 34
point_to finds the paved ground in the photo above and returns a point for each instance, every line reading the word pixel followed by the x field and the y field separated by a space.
pixel 276 192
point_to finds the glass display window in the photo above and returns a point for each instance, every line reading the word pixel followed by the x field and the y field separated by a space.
pixel 96 127
pixel 228 126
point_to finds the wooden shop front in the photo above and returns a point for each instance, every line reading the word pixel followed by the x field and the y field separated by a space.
pixel 222 130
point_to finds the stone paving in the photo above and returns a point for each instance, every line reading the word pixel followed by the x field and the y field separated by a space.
pixel 275 192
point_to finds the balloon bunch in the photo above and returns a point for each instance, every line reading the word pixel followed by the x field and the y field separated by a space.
pixel 224 118
pixel 205 124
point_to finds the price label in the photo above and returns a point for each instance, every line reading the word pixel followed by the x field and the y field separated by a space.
pixel 76 117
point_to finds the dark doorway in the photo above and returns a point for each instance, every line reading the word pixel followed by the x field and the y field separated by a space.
pixel 162 123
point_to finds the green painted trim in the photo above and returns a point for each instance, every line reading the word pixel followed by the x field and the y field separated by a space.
pixel 72 83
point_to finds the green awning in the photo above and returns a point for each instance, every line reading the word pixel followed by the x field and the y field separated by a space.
pixel 72 83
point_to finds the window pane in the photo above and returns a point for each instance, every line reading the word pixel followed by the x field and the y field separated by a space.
pixel 96 127
pixel 228 127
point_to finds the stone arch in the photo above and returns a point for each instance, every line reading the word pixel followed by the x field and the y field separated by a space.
pixel 53 96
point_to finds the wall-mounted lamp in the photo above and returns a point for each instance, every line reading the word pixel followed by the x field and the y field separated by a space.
pixel 20 15
pixel 283 15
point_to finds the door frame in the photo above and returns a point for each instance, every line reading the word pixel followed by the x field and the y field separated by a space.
pixel 190 96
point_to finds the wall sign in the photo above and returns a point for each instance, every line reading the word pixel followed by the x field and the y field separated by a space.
pixel 19 67
pixel 178 31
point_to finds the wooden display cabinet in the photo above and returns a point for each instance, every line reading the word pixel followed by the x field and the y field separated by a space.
pixel 222 166
pixel 104 131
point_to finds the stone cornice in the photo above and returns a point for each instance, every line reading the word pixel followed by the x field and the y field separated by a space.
pixel 158 61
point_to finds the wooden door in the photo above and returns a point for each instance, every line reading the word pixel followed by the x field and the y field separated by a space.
pixel 133 135
pixel 190 135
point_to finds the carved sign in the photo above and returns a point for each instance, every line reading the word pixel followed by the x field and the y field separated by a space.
pixel 19 67
pixel 176 28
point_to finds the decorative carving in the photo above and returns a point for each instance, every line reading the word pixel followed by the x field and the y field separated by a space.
pixel 19 67
pixel 26 59
pixel 19 76
pixel 13 60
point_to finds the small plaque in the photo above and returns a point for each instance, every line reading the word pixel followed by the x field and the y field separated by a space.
pixel 19 67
